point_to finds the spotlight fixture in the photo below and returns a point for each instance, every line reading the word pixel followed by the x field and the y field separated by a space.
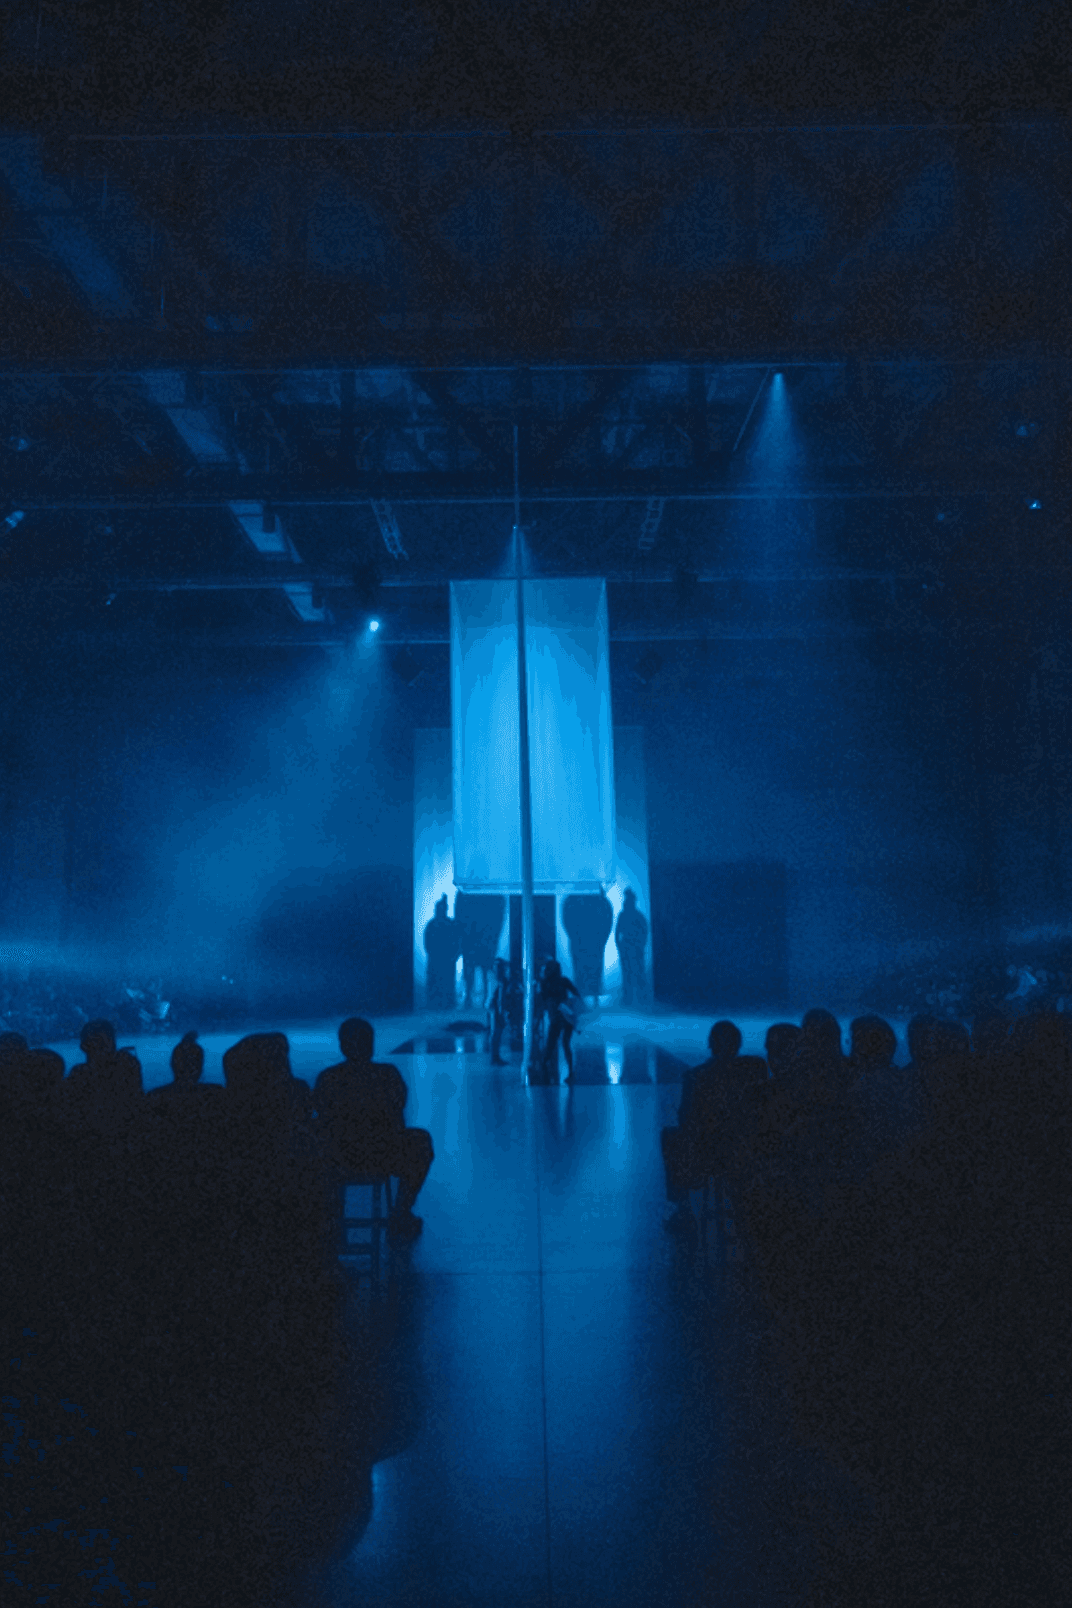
pixel 1034 503
pixel 374 626
pixel 16 516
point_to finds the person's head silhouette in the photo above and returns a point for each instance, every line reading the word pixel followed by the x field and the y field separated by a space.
pixel 724 1041
pixel 629 897
pixel 257 1065
pixel 873 1041
pixel 97 1041
pixel 187 1060
pixel 502 970
pixel 441 910
pixel 356 1039
pixel 12 1046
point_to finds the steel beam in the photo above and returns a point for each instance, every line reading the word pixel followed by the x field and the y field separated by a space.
pixel 198 490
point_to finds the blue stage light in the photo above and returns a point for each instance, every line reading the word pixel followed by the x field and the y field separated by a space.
pixel 374 625
pixel 1034 503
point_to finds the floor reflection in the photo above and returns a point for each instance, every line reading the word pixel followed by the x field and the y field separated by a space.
pixel 582 1425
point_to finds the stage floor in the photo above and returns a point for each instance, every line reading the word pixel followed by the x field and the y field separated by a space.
pixel 578 1408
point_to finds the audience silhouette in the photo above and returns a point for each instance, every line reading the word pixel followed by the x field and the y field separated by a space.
pixel 170 1268
pixel 699 1146
pixel 360 1105
pixel 103 1093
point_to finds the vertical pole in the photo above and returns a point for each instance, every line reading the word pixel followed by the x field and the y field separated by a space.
pixel 527 895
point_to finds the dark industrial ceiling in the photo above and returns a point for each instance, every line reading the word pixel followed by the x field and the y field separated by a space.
pixel 262 361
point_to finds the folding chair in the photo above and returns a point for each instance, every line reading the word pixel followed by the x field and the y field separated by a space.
pixel 351 1249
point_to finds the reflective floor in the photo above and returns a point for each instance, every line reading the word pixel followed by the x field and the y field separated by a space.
pixel 577 1408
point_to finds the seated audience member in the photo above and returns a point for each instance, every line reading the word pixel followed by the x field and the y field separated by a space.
pixel 872 1046
pixel 274 1191
pixel 360 1105
pixel 103 1093
pixel 990 1035
pixel 816 1137
pixel 263 1094
pixel 877 1093
pixel 12 1045
pixel 696 1148
pixel 188 1108
pixel 940 1052
pixel 824 1065
pixel 782 1044
pixel 747 1119
pixel 187 1064
pixel 30 1082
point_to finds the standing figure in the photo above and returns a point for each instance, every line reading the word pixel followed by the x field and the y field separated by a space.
pixel 631 936
pixel 555 998
pixel 498 1010
pixel 442 948
pixel 478 922
pixel 588 919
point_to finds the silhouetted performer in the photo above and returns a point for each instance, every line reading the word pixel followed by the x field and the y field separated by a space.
pixel 555 997
pixel 498 1011
pixel 442 948
pixel 478 921
pixel 360 1106
pixel 693 1151
pixel 588 919
pixel 631 936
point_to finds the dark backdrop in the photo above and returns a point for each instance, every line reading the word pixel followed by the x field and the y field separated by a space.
pixel 719 934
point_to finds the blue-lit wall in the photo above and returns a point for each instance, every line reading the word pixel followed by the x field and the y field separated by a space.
pixel 850 783
pixel 249 816
pixel 199 819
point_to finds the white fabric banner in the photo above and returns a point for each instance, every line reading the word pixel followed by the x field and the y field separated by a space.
pixel 572 758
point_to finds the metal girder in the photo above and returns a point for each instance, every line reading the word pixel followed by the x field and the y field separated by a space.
pixel 197 490
pixel 456 412
pixel 697 257
pixel 192 640
pixel 283 579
